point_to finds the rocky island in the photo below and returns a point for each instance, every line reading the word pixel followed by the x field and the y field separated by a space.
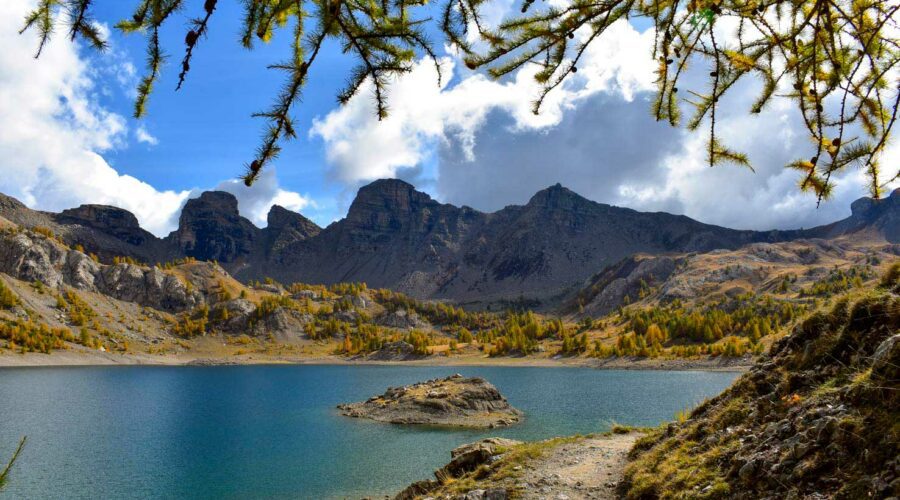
pixel 452 401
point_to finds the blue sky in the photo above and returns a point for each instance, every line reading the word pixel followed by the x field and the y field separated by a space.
pixel 69 137
pixel 204 131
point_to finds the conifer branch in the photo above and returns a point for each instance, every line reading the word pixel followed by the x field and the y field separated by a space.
pixel 197 31
pixel 41 18
pixel 842 51
pixel 4 474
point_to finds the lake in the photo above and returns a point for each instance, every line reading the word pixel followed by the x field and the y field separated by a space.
pixel 273 431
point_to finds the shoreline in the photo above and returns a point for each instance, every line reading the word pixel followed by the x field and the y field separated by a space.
pixel 81 358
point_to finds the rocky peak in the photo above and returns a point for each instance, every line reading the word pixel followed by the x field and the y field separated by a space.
pixel 285 228
pixel 558 198
pixel 16 211
pixel 388 204
pixel 113 221
pixel 217 202
pixel 102 217
pixel 211 228
pixel 882 216
pixel 862 205
pixel 390 194
pixel 280 218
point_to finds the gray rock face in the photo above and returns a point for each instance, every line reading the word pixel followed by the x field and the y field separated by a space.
pixel 239 311
pixel 452 401
pixel 395 351
pixel 243 318
pixel 607 290
pixel 32 257
pixel 149 287
pixel 403 320
pixel 210 228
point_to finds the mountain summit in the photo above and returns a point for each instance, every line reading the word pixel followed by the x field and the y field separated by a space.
pixel 395 236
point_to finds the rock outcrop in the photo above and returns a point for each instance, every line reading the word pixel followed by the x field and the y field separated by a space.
pixel 403 319
pixel 30 256
pixel 463 460
pixel 451 401
pixel 395 351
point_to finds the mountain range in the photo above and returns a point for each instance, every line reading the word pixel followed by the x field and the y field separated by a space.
pixel 397 237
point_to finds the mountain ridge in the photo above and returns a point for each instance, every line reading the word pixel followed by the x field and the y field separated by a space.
pixel 397 237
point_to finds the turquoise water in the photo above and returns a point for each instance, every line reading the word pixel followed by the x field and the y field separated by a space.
pixel 273 432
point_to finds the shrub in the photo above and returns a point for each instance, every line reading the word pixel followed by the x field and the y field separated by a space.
pixel 8 298
pixel 29 336
pixel 193 324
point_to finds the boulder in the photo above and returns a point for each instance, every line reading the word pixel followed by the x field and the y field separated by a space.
pixel 468 457
pixel 463 460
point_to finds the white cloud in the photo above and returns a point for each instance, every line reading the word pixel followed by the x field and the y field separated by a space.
pixel 142 135
pixel 735 196
pixel 492 151
pixel 254 202
pixel 54 132
pixel 422 115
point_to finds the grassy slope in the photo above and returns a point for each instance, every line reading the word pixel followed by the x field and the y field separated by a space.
pixel 818 415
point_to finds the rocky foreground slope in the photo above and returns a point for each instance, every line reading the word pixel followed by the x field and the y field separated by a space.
pixel 453 401
pixel 818 417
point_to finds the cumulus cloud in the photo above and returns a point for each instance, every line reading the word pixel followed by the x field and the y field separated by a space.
pixel 735 196
pixel 423 115
pixel 55 132
pixel 593 150
pixel 594 135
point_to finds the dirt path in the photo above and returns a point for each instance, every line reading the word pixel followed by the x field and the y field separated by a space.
pixel 588 468
pixel 566 468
